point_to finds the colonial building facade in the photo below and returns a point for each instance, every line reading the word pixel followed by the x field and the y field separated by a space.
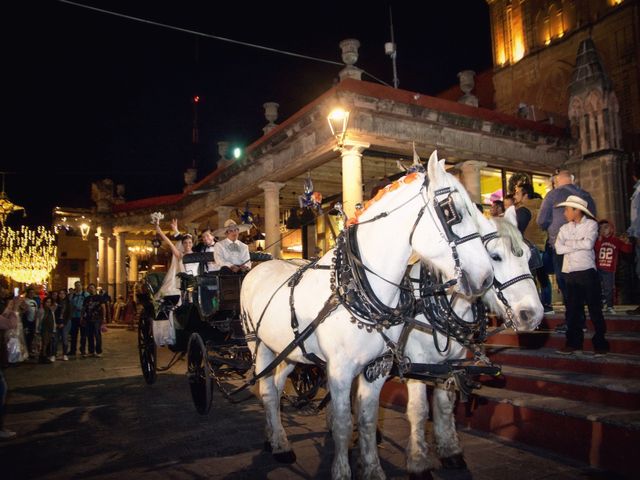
pixel 483 146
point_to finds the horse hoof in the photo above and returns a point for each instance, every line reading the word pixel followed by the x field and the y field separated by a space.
pixel 267 447
pixel 285 457
pixel 424 475
pixel 454 462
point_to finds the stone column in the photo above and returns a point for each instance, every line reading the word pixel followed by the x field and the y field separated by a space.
pixel 272 217
pixel 120 265
pixel 102 257
pixel 111 262
pixel 224 212
pixel 351 153
pixel 133 267
pixel 92 264
pixel 471 178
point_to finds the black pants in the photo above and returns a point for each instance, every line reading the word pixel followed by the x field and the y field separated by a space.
pixel 583 288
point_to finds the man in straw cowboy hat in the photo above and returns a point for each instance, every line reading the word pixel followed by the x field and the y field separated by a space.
pixel 231 254
pixel 575 241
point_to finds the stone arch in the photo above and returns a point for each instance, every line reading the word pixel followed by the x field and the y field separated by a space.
pixel 555 19
pixel 594 101
pixel 542 28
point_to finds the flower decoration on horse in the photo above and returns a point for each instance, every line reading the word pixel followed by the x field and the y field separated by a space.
pixel 310 199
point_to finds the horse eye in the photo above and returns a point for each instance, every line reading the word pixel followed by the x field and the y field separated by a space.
pixel 496 257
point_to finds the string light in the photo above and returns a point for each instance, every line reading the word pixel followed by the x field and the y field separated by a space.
pixel 27 256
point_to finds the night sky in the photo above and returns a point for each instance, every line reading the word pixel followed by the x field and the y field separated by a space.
pixel 92 96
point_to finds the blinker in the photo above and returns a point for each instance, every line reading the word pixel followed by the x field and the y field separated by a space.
pixel 449 212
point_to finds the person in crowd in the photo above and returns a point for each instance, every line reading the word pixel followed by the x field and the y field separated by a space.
pixel 508 201
pixel 551 217
pixel 119 309
pixel 607 248
pixel 575 241
pixel 29 319
pixel 497 208
pixel 231 254
pixel 634 227
pixel 107 302
pixel 76 300
pixel 94 315
pixel 63 324
pixel 527 208
pixel 9 319
pixel 47 330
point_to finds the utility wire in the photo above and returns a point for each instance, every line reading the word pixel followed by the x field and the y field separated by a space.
pixel 215 37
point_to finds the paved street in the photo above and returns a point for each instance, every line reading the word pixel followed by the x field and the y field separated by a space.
pixel 96 418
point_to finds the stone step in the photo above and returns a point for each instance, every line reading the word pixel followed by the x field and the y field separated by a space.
pixel 613 365
pixel 619 392
pixel 622 343
pixel 602 436
pixel 615 323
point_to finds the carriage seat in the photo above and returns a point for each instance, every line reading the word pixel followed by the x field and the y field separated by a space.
pixel 201 258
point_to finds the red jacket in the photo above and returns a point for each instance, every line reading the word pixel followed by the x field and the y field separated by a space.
pixel 607 251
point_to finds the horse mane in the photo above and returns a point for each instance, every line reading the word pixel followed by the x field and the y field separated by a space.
pixel 392 187
pixel 507 230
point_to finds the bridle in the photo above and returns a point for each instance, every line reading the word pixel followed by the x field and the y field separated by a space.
pixel 500 287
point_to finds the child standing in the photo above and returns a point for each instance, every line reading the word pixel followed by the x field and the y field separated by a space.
pixel 576 240
pixel 607 247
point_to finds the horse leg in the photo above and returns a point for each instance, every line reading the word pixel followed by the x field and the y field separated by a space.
pixel 418 463
pixel 339 381
pixel 444 429
pixel 276 436
pixel 367 403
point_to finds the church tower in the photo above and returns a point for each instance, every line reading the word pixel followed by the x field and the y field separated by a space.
pixel 594 118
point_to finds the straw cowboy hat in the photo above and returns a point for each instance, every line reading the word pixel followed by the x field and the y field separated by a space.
pixel 231 224
pixel 576 202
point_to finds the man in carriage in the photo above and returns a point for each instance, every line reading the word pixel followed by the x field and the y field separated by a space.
pixel 232 254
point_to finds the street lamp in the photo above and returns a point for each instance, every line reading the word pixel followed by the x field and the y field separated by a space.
pixel 85 228
pixel 338 122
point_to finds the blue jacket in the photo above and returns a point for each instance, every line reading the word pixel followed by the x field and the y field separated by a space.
pixel 551 218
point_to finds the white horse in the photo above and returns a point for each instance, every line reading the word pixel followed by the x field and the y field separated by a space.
pixel 429 214
pixel 509 257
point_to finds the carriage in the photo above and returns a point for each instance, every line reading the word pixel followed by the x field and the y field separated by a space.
pixel 204 325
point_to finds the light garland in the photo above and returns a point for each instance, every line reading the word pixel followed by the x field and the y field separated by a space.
pixel 27 256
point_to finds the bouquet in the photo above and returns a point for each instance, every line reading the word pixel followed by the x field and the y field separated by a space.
pixel 156 217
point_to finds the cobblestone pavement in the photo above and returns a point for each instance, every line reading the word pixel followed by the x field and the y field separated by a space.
pixel 96 418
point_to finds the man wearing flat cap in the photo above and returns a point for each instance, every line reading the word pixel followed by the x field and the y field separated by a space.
pixel 231 254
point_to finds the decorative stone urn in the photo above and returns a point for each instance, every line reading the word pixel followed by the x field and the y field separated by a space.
pixel 349 49
pixel 223 149
pixel 271 114
pixel 467 81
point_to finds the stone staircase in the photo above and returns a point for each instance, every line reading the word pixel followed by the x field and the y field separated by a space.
pixel 580 406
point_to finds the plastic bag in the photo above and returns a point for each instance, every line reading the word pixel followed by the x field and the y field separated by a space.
pixel 164 332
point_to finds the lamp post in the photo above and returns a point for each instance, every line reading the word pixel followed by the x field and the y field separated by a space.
pixel 351 153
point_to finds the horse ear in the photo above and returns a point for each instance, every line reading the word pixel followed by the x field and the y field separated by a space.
pixel 433 167
pixel 510 216
pixel 416 157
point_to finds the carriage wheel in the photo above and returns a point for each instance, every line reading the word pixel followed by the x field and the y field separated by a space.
pixel 200 374
pixel 147 347
pixel 306 380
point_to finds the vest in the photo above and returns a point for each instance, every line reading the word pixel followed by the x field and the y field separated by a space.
pixel 533 232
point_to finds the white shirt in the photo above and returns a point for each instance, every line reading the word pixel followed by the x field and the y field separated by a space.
pixel 230 253
pixel 215 265
pixel 576 241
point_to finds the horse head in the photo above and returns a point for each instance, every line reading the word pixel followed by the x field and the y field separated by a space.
pixel 514 295
pixel 450 243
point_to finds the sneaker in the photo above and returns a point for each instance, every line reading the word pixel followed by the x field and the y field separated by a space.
pixel 609 310
pixel 99 355
pixel 83 355
pixel 6 434
pixel 567 351
pixel 561 328
pixel 548 310
pixel 52 359
pixel 599 352
pixel 65 358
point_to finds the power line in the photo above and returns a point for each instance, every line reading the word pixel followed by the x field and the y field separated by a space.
pixel 215 37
